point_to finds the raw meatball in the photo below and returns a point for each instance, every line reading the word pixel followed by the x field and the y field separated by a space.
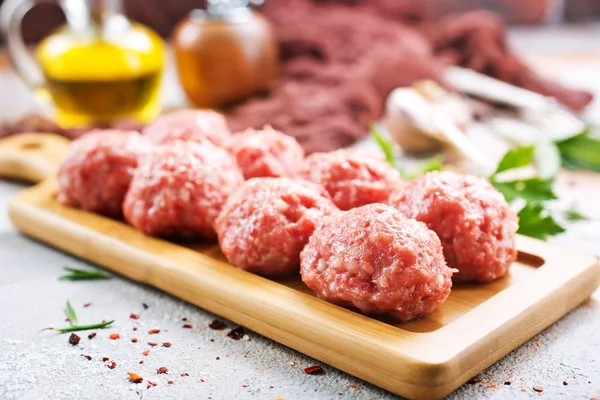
pixel 475 224
pixel 265 224
pixel 180 188
pixel 96 172
pixel 187 125
pixel 353 178
pixel 267 153
pixel 373 259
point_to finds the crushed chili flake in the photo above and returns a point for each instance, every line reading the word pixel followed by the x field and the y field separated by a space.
pixel 135 378
pixel 146 352
pixel 538 389
pixel 86 356
pixel 353 386
pixel 145 306
pixel 184 319
pixel 218 358
pixel 134 316
pixel 523 390
pixel 152 344
pixel 244 385
pixel 185 374
pixel 114 336
pixel 134 340
pixel 92 335
pixel 166 344
pixel 153 331
pixel 236 333
pixel 507 383
pixel 202 380
pixel 565 383
pixel 217 324
pixel 150 384
pixel 74 339
pixel 162 370
pixel 105 359
pixel 141 361
pixel 135 328
pixel 170 382
pixel 67 320
pixel 212 340
pixel 271 387
pixel 474 380
pixel 315 369
pixel 111 365
pixel 86 305
pixel 187 326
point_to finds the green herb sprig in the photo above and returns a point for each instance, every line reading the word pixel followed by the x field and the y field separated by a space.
pixel 73 321
pixel 581 151
pixel 75 274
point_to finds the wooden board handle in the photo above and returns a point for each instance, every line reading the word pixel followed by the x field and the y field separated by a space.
pixel 31 157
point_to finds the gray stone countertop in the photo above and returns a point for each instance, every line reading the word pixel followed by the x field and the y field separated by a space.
pixel 564 360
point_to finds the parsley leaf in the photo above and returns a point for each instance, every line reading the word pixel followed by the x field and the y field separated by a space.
pixel 515 158
pixel 572 214
pixel 532 190
pixel 387 146
pixel 580 152
pixel 536 222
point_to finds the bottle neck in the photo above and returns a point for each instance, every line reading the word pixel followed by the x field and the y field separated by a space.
pixel 94 17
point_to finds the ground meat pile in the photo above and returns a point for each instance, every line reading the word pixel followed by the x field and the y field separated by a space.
pixel 374 260
pixel 180 188
pixel 265 224
pixel 352 177
pixel 96 172
pixel 472 219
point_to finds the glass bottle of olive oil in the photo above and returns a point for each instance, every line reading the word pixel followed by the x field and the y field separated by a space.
pixel 99 67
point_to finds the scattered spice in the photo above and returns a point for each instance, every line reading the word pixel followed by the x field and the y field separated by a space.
pixel 474 380
pixel 523 390
pixel 135 328
pixel 146 352
pixel 134 316
pixel 187 326
pixel 538 389
pixel 153 331
pixel 184 319
pixel 111 365
pixel 217 324
pixel 202 380
pixel 86 356
pixel 236 333
pixel 170 382
pixel 141 361
pixel 74 339
pixel 353 386
pixel 244 386
pixel 152 344
pixel 114 336
pixel 271 387
pixel 86 305
pixel 135 378
pixel 166 344
pixel 145 306
pixel 105 359
pixel 67 319
pixel 162 370
pixel 185 374
pixel 218 358
pixel 150 384
pixel 315 369
pixel 134 340
pixel 92 335
pixel 507 383
pixel 212 340
pixel 565 383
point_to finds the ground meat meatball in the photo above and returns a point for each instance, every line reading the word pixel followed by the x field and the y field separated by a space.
pixel 97 170
pixel 373 259
pixel 475 224
pixel 267 153
pixel 189 125
pixel 180 188
pixel 266 223
pixel 353 178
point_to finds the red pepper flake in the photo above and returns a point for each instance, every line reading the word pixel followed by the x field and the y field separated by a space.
pixel 538 389
pixel 135 378
pixel 212 340
pixel 134 316
pixel 202 380
pixel 271 387
pixel 170 382
pixel 187 326
pixel 162 370
pixel 146 352
pixel 114 336
pixel 153 331
pixel 150 384
pixel 565 383
pixel 105 359
pixel 315 369
pixel 184 319
pixel 86 305
pixel 74 339
pixel 86 356
pixel 135 328
pixel 523 390
pixel 145 306
pixel 166 344
pixel 134 340
pixel 474 380
pixel 141 361
pixel 92 335
pixel 353 386
pixel 152 344
pixel 218 358
pixel 236 333
pixel 111 365
pixel 67 320
pixel 217 324
pixel 507 383
pixel 185 374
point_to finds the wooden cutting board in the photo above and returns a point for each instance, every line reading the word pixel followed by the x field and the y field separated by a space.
pixel 424 359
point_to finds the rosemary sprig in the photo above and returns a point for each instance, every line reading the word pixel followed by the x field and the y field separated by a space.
pixel 80 327
pixel 71 314
pixel 81 274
